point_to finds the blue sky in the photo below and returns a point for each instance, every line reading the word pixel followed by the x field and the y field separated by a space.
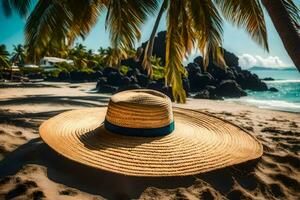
pixel 235 40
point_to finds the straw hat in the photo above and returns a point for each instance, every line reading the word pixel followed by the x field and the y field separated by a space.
pixel 140 134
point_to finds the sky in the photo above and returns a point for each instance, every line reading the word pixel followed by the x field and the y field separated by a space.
pixel 235 40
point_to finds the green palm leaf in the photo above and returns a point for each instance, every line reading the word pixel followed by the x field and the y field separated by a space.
pixel 247 14
pixel 124 19
pixel 21 6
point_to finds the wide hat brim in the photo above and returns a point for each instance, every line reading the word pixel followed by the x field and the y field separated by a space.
pixel 199 143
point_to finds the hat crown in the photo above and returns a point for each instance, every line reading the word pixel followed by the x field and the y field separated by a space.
pixel 143 109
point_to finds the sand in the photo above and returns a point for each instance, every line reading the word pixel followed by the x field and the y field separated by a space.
pixel 29 169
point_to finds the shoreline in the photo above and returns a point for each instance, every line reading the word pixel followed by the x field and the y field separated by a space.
pixel 26 162
pixel 90 87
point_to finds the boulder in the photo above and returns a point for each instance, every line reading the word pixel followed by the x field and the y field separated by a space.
pixel 230 59
pixel 101 81
pixel 230 88
pixel 115 79
pixel 203 94
pixel 155 85
pixel 167 91
pixel 159 46
pixel 193 68
pixel 186 85
pixel 133 72
pixel 199 81
pixel 126 80
pixel 129 87
pixel 107 89
pixel 199 61
pixel 107 70
pixel 64 76
pixel 250 81
pixel 77 76
pixel 272 89
pixel 133 80
pixel 268 79
pixel 143 80
pixel 212 91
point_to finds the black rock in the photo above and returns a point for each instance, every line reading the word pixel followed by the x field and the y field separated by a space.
pixel 193 68
pixel 126 80
pixel 230 88
pixel 107 70
pixel 154 85
pixel 115 79
pixel 131 62
pixel 133 80
pixel 199 81
pixel 133 72
pixel 231 59
pixel 107 89
pixel 212 91
pixel 186 85
pixel 143 80
pixel 64 76
pixel 268 79
pixel 35 76
pixel 167 91
pixel 272 89
pixel 203 94
pixel 77 76
pixel 159 46
pixel 101 81
pixel 129 87
pixel 199 61
pixel 250 81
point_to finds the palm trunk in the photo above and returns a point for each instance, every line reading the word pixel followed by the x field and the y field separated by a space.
pixel 149 47
pixel 287 31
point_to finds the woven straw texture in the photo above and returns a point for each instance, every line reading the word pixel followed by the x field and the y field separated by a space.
pixel 199 143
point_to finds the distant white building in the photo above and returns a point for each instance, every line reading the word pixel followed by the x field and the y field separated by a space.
pixel 48 63
pixel 31 66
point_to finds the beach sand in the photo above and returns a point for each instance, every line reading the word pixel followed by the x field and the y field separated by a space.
pixel 29 169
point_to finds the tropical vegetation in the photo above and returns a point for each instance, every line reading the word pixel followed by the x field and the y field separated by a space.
pixel 190 24
pixel 4 59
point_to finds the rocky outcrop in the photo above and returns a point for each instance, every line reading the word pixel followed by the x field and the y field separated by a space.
pixel 212 82
pixel 230 88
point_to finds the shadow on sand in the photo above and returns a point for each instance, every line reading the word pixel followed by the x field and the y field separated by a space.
pixel 34 119
pixel 84 101
pixel 110 185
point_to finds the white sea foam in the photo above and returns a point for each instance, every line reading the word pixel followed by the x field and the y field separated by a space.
pixel 283 81
pixel 270 104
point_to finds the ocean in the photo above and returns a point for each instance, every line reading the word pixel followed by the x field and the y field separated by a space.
pixel 288 97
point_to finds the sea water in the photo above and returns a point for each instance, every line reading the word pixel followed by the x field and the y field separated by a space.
pixel 287 81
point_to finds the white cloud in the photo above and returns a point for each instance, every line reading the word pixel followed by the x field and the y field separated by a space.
pixel 247 60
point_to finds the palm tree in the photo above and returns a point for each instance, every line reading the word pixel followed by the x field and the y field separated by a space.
pixel 204 29
pixel 198 24
pixel 190 24
pixel 4 58
pixel 18 55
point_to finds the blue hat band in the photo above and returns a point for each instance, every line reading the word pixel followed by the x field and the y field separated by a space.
pixel 139 132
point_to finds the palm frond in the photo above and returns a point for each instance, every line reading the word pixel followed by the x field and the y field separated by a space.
pixel 21 6
pixel 247 14
pixel 175 50
pixel 208 29
pixel 49 19
pixel 124 19
pixel 293 11
pixel 84 16
pixel 56 21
